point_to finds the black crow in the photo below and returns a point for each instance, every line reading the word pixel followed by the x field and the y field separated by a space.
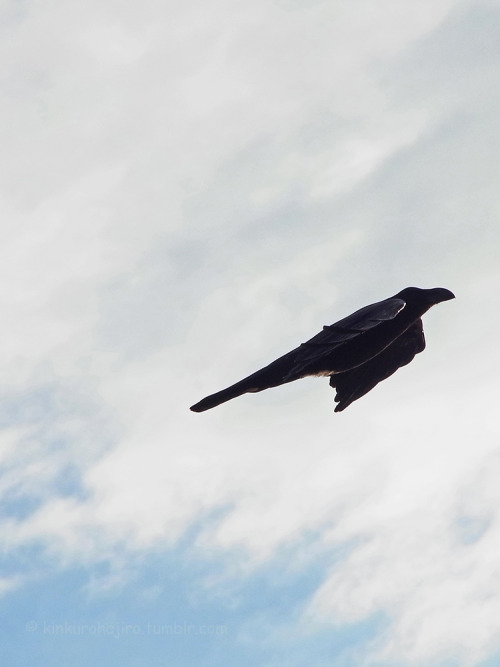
pixel 356 353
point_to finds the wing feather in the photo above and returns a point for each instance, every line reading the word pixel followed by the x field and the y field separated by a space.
pixel 350 327
pixel 353 384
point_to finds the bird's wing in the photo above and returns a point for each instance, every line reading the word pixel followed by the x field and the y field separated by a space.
pixel 353 384
pixel 351 326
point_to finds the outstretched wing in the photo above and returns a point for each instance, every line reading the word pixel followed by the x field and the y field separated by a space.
pixel 353 384
pixel 351 326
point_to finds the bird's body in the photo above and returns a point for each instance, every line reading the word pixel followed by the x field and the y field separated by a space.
pixel 356 353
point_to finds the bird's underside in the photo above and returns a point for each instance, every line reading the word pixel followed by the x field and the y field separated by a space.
pixel 356 353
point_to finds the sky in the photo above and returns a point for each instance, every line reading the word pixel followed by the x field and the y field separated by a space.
pixel 188 190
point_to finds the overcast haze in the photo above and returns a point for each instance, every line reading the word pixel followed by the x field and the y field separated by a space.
pixel 188 190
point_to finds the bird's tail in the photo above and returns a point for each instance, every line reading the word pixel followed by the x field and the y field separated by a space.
pixel 276 373
pixel 222 396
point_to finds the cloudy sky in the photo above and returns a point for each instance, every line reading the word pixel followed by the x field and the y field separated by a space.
pixel 187 190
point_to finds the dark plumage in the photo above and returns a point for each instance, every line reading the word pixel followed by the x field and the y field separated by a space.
pixel 356 353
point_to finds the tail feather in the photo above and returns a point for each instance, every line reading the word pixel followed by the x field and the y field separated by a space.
pixel 270 376
pixel 221 397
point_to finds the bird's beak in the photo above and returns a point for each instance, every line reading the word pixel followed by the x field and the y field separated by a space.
pixel 441 294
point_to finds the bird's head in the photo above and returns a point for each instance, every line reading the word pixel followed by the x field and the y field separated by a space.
pixel 428 297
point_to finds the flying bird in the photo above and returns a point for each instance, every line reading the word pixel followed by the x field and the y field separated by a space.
pixel 356 353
